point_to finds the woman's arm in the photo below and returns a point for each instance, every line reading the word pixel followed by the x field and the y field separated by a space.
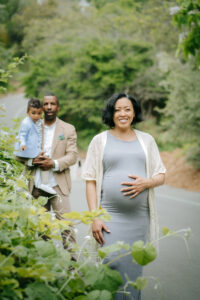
pixel 140 184
pixel 97 225
pixel 91 194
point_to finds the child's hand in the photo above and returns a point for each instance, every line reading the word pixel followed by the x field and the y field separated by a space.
pixel 22 148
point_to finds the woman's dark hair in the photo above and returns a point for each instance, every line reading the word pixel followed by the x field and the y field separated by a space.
pixel 35 103
pixel 108 112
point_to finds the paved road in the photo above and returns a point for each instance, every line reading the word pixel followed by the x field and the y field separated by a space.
pixel 15 107
pixel 179 275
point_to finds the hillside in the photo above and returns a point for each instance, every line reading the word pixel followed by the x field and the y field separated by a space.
pixel 179 173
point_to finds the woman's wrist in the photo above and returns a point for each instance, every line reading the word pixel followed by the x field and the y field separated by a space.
pixel 150 183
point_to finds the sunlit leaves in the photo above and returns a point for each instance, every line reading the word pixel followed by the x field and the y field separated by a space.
pixel 5 75
pixel 99 295
pixel 140 283
pixel 104 251
pixel 167 231
pixel 143 253
pixel 33 262
pixel 87 217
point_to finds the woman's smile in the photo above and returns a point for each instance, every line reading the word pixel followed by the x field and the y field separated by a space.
pixel 123 114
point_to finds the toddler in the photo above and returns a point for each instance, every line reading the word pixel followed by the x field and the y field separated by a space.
pixel 30 139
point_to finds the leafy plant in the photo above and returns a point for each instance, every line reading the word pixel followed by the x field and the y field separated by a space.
pixel 34 265
pixel 5 75
pixel 187 17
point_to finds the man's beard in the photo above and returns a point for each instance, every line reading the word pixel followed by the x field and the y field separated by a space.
pixel 49 117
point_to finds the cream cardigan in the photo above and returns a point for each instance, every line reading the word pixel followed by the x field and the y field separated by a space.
pixel 93 170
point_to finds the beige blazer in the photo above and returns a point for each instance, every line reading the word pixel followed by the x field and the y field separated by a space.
pixel 64 150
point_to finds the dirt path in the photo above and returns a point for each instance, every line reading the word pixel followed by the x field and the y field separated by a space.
pixel 179 173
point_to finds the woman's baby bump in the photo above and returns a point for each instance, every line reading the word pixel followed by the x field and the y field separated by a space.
pixel 113 198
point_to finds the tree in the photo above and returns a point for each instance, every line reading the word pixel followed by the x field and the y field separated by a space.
pixel 85 78
pixel 181 119
pixel 187 17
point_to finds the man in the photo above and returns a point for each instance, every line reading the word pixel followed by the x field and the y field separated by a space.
pixel 59 153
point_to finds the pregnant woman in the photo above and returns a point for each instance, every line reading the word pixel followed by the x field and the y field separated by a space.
pixel 122 167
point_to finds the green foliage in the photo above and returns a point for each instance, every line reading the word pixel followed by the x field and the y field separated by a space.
pixel 187 17
pixel 84 79
pixel 112 49
pixel 143 254
pixel 140 283
pixel 181 120
pixel 5 75
pixel 34 268
pixel 103 279
pixel 16 15
pixel 103 252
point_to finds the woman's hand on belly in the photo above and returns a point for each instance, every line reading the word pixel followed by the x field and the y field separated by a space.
pixel 134 187
pixel 97 227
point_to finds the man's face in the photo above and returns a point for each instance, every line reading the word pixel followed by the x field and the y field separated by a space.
pixel 50 107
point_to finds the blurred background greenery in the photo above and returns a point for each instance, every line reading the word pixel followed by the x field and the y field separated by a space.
pixel 84 51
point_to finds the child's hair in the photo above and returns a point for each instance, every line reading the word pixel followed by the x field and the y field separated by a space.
pixel 35 103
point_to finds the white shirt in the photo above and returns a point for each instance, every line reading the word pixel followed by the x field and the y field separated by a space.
pixel 47 148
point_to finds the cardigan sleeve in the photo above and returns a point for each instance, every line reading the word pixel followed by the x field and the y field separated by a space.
pixel 155 161
pixel 89 166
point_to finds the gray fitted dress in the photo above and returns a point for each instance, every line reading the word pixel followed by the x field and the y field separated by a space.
pixel 130 217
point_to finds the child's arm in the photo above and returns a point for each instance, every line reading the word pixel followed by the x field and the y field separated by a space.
pixel 23 132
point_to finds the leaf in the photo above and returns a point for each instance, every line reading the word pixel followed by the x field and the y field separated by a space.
pixel 143 254
pixel 10 293
pixel 102 278
pixel 6 261
pixel 37 272
pixel 72 215
pixel 78 285
pixel 10 215
pixel 104 251
pixel 167 231
pixel 42 200
pixel 21 251
pixel 39 291
pixel 45 248
pixel 22 184
pixel 140 283
pixel 41 211
pixel 99 295
pixel 10 281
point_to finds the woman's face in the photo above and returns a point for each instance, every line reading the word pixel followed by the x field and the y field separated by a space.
pixel 123 114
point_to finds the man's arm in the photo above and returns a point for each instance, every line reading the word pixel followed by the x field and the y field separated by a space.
pixel 64 162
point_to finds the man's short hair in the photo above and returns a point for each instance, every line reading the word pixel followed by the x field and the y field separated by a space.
pixel 35 103
pixel 53 95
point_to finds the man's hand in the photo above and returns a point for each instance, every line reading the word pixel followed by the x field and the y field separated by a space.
pixel 38 159
pixel 97 227
pixel 134 187
pixel 43 162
